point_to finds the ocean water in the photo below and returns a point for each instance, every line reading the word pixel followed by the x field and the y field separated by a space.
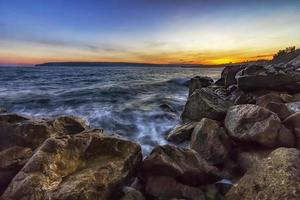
pixel 140 103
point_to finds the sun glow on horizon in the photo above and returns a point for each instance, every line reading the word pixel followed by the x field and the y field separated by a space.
pixel 192 32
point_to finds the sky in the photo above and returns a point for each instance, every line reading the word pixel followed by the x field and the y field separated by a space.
pixel 151 31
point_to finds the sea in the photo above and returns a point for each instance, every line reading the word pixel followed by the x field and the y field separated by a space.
pixel 139 103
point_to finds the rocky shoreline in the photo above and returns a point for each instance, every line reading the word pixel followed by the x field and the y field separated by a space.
pixel 239 140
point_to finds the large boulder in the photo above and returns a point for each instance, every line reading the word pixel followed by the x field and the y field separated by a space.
pixel 166 188
pixel 21 135
pixel 181 133
pixel 210 141
pixel 184 165
pixel 28 132
pixel 229 72
pixel 275 177
pixel 271 77
pixel 11 161
pixel 89 165
pixel 199 82
pixel 255 124
pixel 205 103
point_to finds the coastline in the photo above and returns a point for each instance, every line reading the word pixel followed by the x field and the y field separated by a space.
pixel 236 134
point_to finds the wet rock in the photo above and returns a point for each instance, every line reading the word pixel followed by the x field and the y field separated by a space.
pixel 68 125
pixel 210 141
pixel 12 118
pixel 252 123
pixel 165 188
pixel 273 78
pixel 89 165
pixel 184 165
pixel 275 177
pixel 181 133
pixel 11 161
pixel 199 82
pixel 205 103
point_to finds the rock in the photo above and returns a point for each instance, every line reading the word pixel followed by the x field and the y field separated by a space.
pixel 210 141
pixel 220 82
pixel 275 177
pixel 295 61
pixel 181 133
pixel 132 194
pixel 247 159
pixel 27 132
pixel 166 188
pixel 293 123
pixel 184 165
pixel 199 82
pixel 280 109
pixel 229 73
pixel 89 165
pixel 205 103
pixel 11 161
pixel 271 77
pixel 239 96
pixel 252 123
pixel 12 118
pixel 68 125
pixel 266 99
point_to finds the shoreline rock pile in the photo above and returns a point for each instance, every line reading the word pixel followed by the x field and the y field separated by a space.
pixel 239 139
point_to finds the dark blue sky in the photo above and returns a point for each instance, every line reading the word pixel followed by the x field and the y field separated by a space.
pixel 143 30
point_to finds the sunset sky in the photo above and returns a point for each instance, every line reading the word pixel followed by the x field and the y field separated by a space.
pixel 154 31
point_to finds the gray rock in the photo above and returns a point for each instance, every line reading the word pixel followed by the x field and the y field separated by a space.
pixel 181 133
pixel 185 165
pixel 205 103
pixel 210 141
pixel 252 123
pixel 273 78
pixel 199 82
